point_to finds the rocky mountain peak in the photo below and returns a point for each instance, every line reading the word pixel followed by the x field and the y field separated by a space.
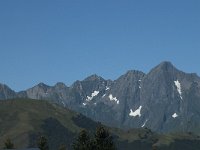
pixel 134 73
pixel 41 84
pixel 4 87
pixel 165 69
pixel 93 78
pixel 60 85
pixel 6 92
pixel 165 66
pixel 130 76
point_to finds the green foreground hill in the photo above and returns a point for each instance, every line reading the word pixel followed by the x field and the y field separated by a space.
pixel 24 120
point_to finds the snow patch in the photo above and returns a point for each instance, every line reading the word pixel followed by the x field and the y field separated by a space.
pixel 95 93
pixel 107 88
pixel 113 98
pixel 144 123
pixel 174 115
pixel 178 86
pixel 139 83
pixel 84 104
pixel 103 95
pixel 136 112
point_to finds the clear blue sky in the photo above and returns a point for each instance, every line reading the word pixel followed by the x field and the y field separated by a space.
pixel 65 40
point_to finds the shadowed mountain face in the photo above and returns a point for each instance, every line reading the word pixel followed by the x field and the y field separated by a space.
pixel 24 120
pixel 164 100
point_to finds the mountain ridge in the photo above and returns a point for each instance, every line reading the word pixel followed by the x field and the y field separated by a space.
pixel 159 100
pixel 130 70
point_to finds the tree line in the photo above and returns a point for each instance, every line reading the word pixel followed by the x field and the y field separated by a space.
pixel 100 140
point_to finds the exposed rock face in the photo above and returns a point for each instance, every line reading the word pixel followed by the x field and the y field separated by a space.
pixel 164 100
pixel 6 92
pixel 164 94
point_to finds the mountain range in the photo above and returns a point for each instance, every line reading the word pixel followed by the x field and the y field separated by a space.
pixel 25 120
pixel 163 100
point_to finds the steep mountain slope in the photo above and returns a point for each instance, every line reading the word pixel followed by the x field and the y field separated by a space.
pixel 164 100
pixel 6 92
pixel 23 120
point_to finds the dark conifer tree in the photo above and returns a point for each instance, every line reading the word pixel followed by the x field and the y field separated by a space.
pixel 103 140
pixel 42 143
pixel 8 144
pixel 83 142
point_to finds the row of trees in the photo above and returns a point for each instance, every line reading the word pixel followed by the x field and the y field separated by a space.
pixel 101 140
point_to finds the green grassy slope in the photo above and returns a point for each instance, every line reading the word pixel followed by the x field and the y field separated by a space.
pixel 23 120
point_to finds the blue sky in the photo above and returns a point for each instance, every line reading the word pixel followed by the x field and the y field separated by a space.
pixel 66 40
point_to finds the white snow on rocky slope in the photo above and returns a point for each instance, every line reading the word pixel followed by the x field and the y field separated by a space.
pixel 144 123
pixel 174 115
pixel 139 83
pixel 113 98
pixel 107 88
pixel 95 93
pixel 178 86
pixel 137 112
